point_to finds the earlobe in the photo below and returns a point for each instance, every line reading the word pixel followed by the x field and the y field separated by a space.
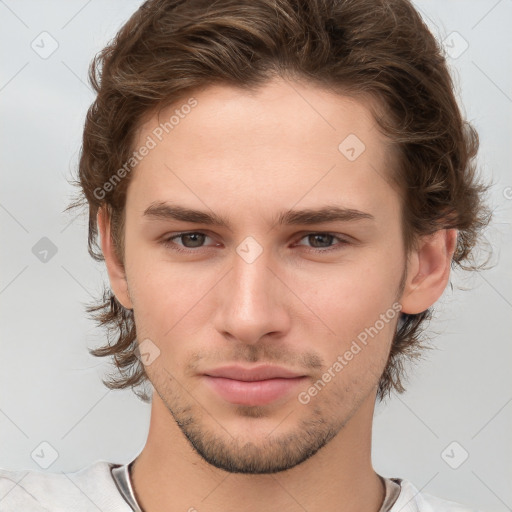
pixel 428 271
pixel 115 268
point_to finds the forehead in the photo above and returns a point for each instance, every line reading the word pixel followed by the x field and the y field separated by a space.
pixel 282 143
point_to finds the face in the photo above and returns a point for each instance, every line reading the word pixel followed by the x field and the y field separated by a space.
pixel 252 281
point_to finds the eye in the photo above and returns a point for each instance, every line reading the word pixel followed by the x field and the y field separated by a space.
pixel 192 240
pixel 324 241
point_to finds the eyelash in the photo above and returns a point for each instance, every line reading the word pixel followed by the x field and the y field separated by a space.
pixel 168 242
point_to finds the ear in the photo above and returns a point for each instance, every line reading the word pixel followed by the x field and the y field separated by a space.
pixel 428 271
pixel 115 268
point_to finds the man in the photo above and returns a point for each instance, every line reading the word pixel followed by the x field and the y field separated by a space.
pixel 280 190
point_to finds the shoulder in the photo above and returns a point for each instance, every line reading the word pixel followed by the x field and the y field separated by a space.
pixel 90 488
pixel 413 500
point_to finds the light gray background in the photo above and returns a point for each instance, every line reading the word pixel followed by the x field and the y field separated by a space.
pixel 50 387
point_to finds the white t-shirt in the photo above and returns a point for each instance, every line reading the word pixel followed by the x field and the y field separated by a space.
pixel 106 487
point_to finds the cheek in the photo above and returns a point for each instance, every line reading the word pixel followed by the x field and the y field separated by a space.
pixel 160 299
pixel 169 300
pixel 358 308
pixel 351 297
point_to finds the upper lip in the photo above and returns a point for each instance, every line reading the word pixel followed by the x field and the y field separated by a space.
pixel 263 372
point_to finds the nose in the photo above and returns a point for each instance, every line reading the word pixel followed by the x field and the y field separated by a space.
pixel 252 301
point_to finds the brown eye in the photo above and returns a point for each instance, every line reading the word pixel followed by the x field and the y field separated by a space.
pixel 320 238
pixel 189 241
pixel 322 242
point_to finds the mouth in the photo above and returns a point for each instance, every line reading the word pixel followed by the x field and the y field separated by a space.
pixel 256 392
pixel 252 386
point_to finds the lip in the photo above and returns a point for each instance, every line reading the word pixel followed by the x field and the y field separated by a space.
pixel 252 386
pixel 262 372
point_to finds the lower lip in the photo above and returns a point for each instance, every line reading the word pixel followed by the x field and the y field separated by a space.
pixel 258 392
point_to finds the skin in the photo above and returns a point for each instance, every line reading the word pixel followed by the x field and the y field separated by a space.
pixel 248 156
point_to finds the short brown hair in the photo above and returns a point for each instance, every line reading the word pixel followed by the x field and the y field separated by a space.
pixel 375 48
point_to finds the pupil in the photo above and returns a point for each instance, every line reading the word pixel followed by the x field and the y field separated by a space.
pixel 194 235
pixel 320 237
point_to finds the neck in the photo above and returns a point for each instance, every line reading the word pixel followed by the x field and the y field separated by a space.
pixel 170 475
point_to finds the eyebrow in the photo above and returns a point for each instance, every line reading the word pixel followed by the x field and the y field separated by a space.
pixel 327 213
